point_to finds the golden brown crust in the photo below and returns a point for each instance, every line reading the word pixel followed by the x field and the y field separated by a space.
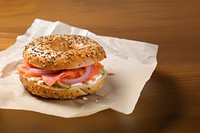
pixel 56 93
pixel 55 52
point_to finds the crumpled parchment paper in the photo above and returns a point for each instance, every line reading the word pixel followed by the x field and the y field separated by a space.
pixel 132 62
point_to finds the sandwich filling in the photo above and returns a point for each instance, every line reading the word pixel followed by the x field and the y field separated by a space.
pixel 62 78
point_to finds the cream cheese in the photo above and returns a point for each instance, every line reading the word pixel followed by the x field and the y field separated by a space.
pixel 90 82
pixel 36 79
pixel 40 82
pixel 96 79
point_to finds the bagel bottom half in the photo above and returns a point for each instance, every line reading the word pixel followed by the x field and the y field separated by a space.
pixel 45 91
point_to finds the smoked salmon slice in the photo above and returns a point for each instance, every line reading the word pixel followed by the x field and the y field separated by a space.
pixel 51 79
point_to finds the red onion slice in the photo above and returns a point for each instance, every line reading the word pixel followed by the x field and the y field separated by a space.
pixel 42 72
pixel 80 79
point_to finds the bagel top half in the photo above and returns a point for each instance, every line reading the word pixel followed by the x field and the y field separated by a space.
pixel 56 52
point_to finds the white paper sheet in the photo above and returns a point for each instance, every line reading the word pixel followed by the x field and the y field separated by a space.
pixel 132 62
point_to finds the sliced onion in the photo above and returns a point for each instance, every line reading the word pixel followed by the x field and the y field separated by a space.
pixel 80 79
pixel 42 71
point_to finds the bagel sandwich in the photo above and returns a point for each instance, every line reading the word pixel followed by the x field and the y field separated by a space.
pixel 62 66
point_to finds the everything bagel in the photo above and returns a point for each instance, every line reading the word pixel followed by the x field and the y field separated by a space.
pixel 62 66
pixel 56 52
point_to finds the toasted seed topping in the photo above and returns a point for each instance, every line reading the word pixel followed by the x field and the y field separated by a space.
pixel 63 50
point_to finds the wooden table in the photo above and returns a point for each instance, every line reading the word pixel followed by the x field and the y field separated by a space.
pixel 169 102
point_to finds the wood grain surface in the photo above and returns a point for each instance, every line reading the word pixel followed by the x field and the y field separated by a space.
pixel 169 102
